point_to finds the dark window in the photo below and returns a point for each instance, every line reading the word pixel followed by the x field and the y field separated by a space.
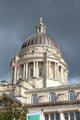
pixel 40 72
pixel 77 115
pixel 66 116
pixel 51 116
pixel 32 41
pixel 71 95
pixel 57 116
pixel 46 117
pixel 39 29
pixel 72 116
pixel 13 73
pixel 32 51
pixel 34 99
pixel 31 73
pixel 52 97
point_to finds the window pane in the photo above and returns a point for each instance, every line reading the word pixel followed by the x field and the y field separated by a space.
pixel 34 99
pixel 72 116
pixel 66 116
pixel 52 97
pixel 71 96
pixel 57 116
pixel 46 117
pixel 51 116
pixel 77 115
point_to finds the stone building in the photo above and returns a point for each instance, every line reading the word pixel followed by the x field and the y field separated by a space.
pixel 39 79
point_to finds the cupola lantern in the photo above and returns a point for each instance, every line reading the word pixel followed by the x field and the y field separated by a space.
pixel 40 28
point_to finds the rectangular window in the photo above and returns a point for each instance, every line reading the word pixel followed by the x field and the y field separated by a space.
pixel 57 116
pixel 46 117
pixel 51 116
pixel 72 116
pixel 66 116
pixel 77 115
pixel 40 72
pixel 31 73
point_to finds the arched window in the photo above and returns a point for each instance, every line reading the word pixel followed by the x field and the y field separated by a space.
pixel 34 99
pixel 52 97
pixel 71 95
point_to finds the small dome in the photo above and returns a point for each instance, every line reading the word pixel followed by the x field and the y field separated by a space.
pixel 40 38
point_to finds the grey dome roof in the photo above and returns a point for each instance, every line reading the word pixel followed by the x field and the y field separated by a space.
pixel 40 38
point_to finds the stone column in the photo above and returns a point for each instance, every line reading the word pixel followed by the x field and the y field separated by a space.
pixel 26 70
pixel 18 72
pixel 11 72
pixel 69 116
pixel 42 116
pixel 61 74
pixel 61 116
pixel 46 69
pixel 49 69
pixel 49 116
pixel 33 69
pixel 74 115
pixel 15 74
pixel 55 70
pixel 66 77
pixel 54 116
pixel 37 70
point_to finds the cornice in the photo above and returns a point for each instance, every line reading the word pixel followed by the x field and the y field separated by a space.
pixel 46 104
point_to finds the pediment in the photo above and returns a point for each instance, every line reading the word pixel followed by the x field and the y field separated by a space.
pixel 6 100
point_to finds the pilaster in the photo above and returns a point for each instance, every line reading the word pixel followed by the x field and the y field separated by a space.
pixel 62 116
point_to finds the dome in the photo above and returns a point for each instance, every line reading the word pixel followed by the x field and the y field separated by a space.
pixel 40 38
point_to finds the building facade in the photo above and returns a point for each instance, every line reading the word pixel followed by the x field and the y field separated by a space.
pixel 39 79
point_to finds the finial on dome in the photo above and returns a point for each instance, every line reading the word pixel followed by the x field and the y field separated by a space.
pixel 41 20
pixel 40 28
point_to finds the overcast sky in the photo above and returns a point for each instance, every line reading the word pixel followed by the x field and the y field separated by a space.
pixel 18 19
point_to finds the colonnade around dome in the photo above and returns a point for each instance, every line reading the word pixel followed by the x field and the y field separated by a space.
pixel 41 67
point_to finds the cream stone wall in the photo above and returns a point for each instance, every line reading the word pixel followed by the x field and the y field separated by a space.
pixel 61 93
pixel 53 109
